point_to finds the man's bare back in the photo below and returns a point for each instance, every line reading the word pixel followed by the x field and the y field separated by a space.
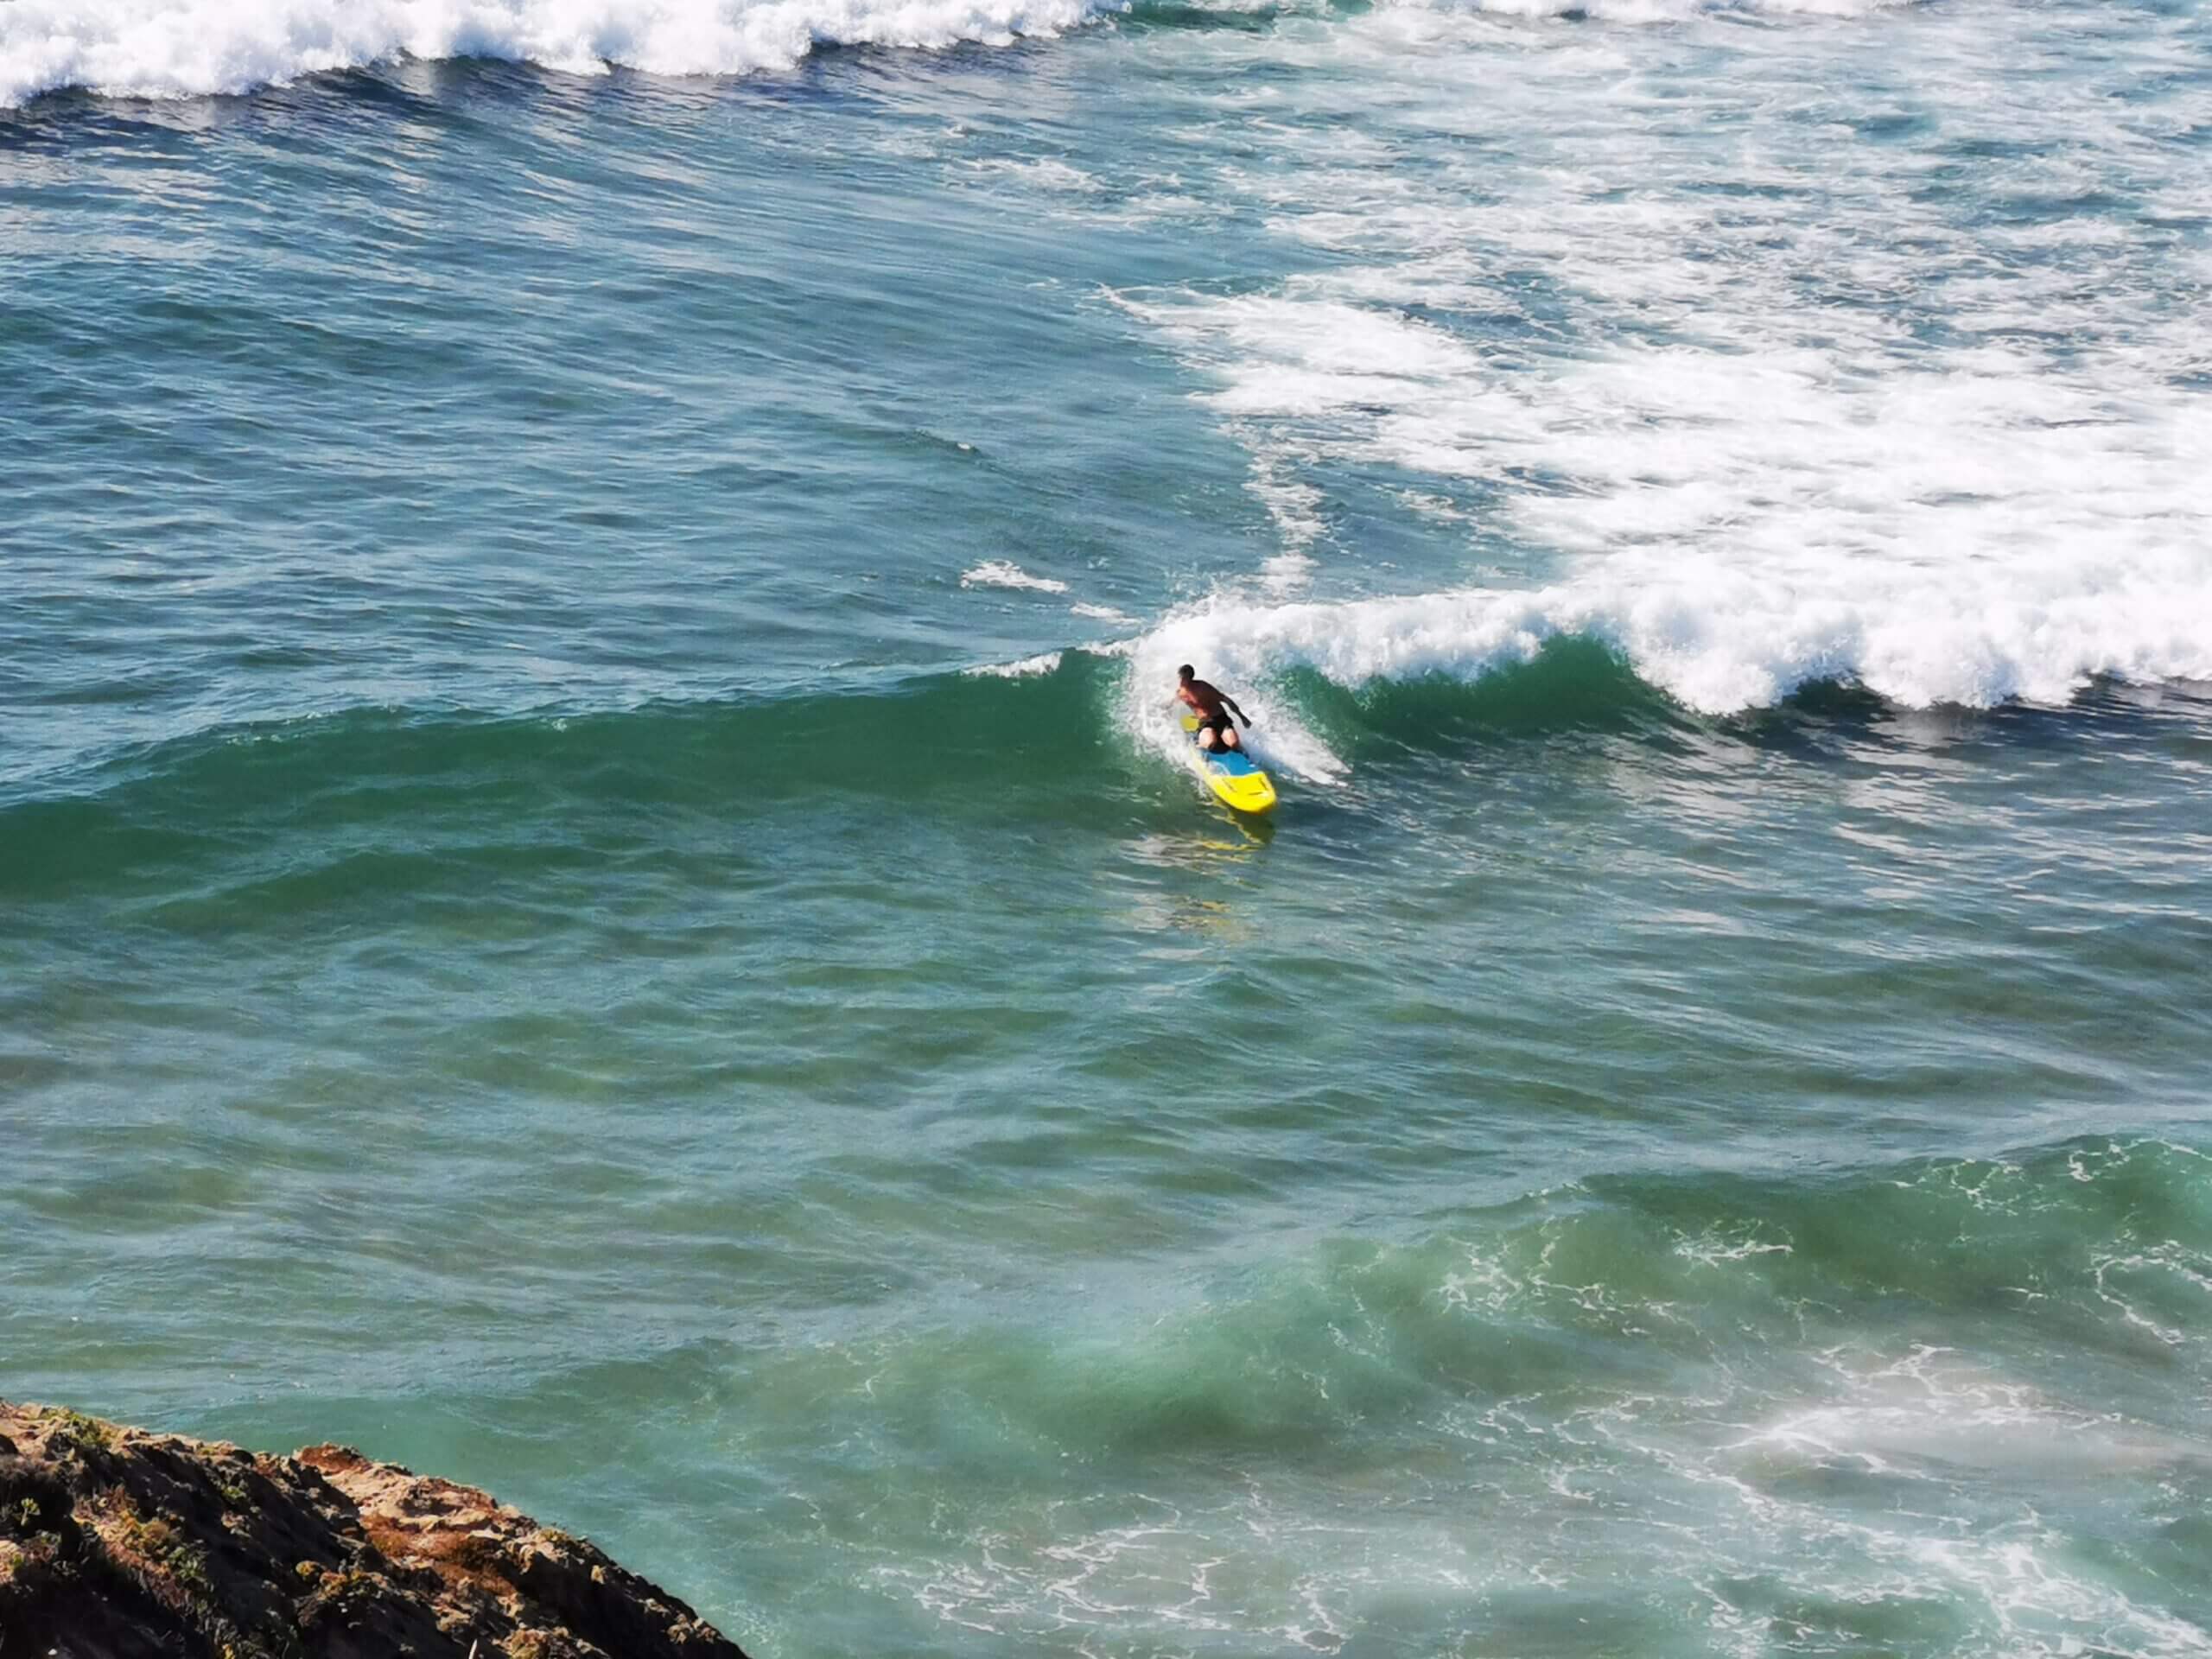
pixel 1213 706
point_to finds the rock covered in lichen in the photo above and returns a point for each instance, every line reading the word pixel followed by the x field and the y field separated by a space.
pixel 116 1544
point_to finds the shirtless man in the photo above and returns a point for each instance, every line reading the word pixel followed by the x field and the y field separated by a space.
pixel 1216 730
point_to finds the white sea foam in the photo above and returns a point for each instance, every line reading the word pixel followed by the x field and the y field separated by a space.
pixel 1026 668
pixel 1286 573
pixel 1046 172
pixel 1996 526
pixel 1935 1418
pixel 1719 637
pixel 1004 572
pixel 176 48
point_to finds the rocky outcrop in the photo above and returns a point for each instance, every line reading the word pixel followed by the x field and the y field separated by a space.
pixel 118 1544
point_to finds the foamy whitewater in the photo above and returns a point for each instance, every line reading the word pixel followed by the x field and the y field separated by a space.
pixel 604 893
pixel 1755 447
pixel 179 49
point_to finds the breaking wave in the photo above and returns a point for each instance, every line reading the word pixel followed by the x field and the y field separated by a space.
pixel 187 49
pixel 1324 683
pixel 183 49
pixel 1827 1400
pixel 1717 643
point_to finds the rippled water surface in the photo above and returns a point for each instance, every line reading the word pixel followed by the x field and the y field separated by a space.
pixel 597 893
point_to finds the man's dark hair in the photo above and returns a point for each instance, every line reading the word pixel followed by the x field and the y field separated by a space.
pixel 1186 671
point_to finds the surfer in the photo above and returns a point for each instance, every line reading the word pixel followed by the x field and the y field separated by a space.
pixel 1213 706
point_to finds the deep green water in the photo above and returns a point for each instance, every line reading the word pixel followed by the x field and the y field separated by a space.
pixel 596 895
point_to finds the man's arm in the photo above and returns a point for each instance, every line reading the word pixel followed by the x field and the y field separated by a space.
pixel 1236 708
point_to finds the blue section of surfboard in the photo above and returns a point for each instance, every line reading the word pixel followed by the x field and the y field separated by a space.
pixel 1230 775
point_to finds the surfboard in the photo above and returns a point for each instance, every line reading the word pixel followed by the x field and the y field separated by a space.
pixel 1230 775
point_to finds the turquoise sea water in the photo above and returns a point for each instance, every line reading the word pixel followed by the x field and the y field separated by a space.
pixel 597 895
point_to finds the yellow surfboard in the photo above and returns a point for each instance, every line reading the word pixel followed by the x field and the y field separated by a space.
pixel 1230 775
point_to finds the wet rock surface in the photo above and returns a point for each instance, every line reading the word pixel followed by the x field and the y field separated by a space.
pixel 117 1543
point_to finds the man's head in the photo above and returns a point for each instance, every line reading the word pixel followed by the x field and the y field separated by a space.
pixel 1184 672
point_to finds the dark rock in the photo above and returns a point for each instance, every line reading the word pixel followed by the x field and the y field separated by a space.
pixel 118 1544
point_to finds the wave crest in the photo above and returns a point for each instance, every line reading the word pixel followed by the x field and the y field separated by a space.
pixel 1717 641
pixel 185 48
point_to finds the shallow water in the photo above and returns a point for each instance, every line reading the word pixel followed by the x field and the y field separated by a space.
pixel 599 894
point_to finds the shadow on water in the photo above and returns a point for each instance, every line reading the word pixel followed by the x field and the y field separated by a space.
pixel 1832 720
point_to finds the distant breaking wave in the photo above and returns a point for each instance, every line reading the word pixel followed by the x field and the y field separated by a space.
pixel 189 48
pixel 184 49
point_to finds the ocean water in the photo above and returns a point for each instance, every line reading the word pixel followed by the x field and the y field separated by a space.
pixel 597 893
